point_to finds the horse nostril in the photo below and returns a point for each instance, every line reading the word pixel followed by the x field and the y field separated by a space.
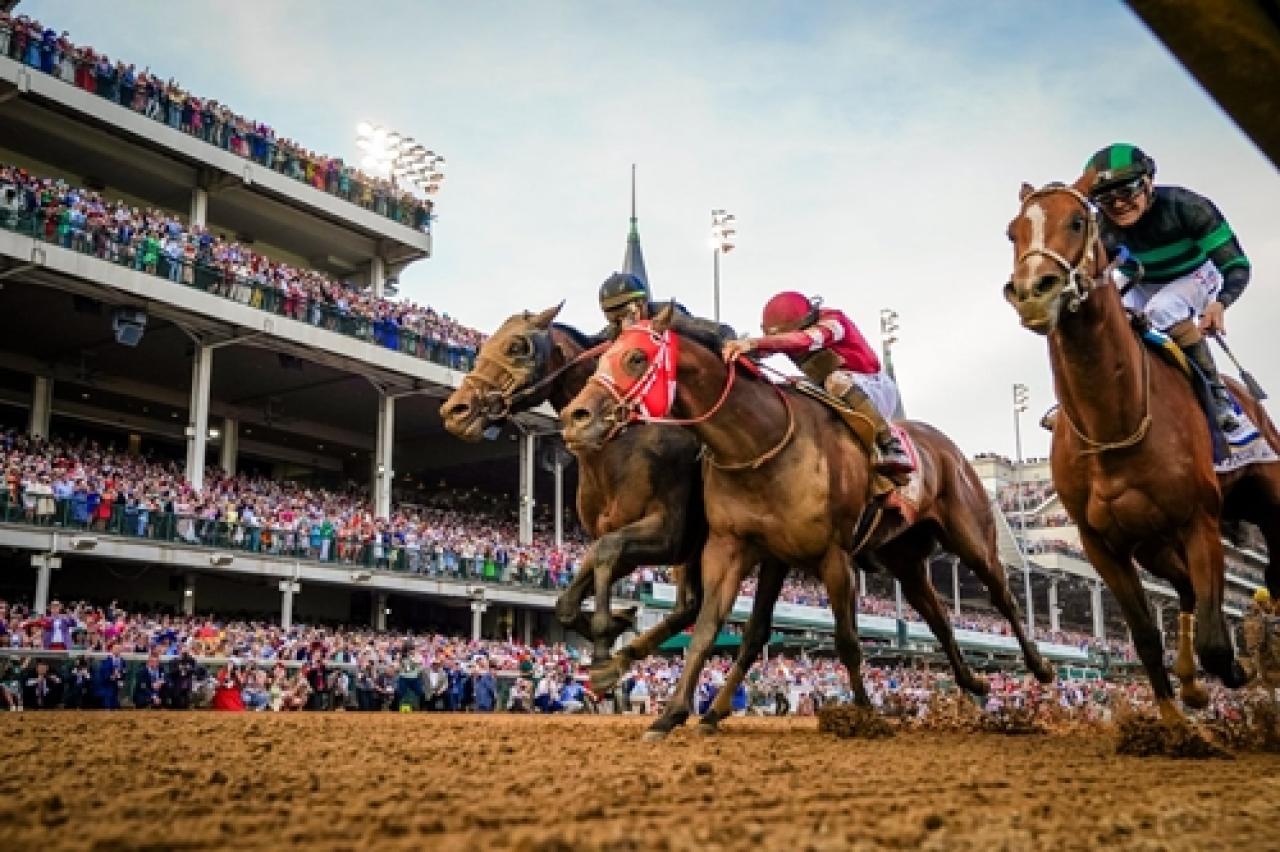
pixel 579 417
pixel 457 411
pixel 1046 283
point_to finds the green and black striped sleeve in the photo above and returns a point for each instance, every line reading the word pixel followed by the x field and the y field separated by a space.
pixel 1205 224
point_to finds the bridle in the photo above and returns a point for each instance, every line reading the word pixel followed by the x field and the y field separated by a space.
pixel 1077 289
pixel 1079 283
pixel 634 403
pixel 498 399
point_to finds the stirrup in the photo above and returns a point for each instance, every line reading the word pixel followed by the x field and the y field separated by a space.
pixel 1224 411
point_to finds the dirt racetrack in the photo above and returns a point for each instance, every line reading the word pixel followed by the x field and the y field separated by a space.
pixel 134 780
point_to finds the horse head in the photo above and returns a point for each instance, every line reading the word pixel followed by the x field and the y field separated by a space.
pixel 1057 252
pixel 635 381
pixel 510 362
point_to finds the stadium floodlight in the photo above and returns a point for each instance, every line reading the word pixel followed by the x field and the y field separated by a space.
pixel 724 231
pixel 888 327
pixel 393 154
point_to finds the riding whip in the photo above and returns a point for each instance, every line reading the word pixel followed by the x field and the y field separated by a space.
pixel 1245 376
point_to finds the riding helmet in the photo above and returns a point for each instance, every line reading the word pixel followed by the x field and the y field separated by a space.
pixel 789 311
pixel 622 288
pixel 1118 163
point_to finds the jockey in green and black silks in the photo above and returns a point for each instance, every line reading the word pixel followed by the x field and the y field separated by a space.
pixel 1185 264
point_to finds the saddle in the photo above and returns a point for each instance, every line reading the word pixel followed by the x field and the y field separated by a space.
pixel 884 492
pixel 1172 353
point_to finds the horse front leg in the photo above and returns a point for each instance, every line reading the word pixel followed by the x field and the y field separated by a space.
pixel 652 540
pixel 1165 563
pixel 1213 639
pixel 837 576
pixel 769 587
pixel 725 561
pixel 688 601
pixel 1121 577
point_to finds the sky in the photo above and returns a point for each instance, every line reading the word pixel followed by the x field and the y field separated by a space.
pixel 871 152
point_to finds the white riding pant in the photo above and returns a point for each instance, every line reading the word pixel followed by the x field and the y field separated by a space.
pixel 1184 298
pixel 879 387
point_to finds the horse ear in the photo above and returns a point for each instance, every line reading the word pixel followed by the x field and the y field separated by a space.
pixel 1025 190
pixel 664 318
pixel 544 319
pixel 1084 183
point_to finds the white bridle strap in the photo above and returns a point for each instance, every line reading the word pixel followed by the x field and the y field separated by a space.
pixel 1079 282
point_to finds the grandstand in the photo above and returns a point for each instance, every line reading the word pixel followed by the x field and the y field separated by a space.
pixel 194 299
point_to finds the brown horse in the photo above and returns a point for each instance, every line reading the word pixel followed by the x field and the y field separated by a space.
pixel 785 482
pixel 1132 456
pixel 640 498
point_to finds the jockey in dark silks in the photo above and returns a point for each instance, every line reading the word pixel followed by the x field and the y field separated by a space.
pixel 1185 266
pixel 832 352
pixel 625 300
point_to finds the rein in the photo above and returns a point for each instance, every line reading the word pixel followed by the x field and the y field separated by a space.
pixel 628 410
pixel 500 399
pixel 1079 285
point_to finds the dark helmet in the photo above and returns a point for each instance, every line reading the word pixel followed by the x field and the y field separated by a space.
pixel 1116 164
pixel 622 288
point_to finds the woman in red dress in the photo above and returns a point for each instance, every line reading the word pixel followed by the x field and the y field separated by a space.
pixel 226 694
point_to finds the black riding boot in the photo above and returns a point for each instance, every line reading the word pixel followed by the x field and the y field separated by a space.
pixel 1200 355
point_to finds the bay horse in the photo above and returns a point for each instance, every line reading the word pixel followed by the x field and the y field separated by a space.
pixel 787 484
pixel 640 498
pixel 1132 455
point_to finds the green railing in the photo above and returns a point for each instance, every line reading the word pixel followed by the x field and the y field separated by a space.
pixel 427 560
pixel 147 256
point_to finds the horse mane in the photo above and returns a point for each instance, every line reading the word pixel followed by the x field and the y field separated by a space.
pixel 574 334
pixel 698 334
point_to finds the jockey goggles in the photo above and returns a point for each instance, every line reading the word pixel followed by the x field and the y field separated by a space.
pixel 1121 194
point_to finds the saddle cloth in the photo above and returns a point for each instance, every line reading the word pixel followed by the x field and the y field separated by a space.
pixel 1246 444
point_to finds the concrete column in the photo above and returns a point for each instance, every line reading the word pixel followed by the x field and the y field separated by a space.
pixel 288 589
pixel 477 614
pixel 377 276
pixel 1054 623
pixel 862 583
pixel 384 471
pixel 199 207
pixel 558 470
pixel 41 407
pixel 900 627
pixel 230 450
pixel 379 611
pixel 528 444
pixel 955 583
pixel 44 565
pixel 526 627
pixel 1099 623
pixel 198 415
pixel 188 594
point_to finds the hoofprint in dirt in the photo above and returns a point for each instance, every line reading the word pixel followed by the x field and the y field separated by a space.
pixel 348 780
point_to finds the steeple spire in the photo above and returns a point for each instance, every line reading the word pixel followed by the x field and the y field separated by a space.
pixel 633 259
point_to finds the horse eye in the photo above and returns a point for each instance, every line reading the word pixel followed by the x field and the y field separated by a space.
pixel 519 346
pixel 1077 224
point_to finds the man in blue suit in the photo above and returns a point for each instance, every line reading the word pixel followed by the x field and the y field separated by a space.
pixel 148 686
pixel 108 679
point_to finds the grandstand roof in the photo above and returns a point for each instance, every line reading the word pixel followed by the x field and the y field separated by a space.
pixel 1233 50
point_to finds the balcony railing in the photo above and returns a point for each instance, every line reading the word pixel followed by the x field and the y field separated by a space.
pixel 220 280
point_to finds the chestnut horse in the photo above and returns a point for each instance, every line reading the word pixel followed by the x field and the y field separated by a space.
pixel 640 497
pixel 785 481
pixel 1132 455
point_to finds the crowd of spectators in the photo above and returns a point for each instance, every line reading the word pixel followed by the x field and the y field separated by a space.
pixel 1033 494
pixel 158 242
pixel 166 101
pixel 202 661
pixel 82 484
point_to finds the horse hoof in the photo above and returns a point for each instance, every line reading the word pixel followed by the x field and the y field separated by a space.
pixel 1044 673
pixel 652 736
pixel 1195 696
pixel 976 685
